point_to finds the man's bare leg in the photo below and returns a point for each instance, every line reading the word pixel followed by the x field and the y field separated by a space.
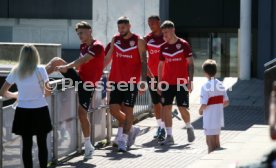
pixel 185 114
pixel 84 120
pixel 50 67
pixel 115 110
pixel 167 112
pixel 187 119
pixel 129 118
pixel 157 110
pixel 130 131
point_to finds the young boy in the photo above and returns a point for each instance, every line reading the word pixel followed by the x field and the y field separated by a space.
pixel 213 98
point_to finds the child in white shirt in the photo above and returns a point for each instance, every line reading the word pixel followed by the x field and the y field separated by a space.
pixel 213 98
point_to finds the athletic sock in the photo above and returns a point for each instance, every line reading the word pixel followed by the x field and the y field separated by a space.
pixel 159 121
pixel 87 142
pixel 162 125
pixel 120 132
pixel 169 131
pixel 189 125
pixel 124 137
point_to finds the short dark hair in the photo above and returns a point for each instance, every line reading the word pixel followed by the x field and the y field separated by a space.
pixel 82 25
pixel 123 20
pixel 210 67
pixel 154 17
pixel 167 24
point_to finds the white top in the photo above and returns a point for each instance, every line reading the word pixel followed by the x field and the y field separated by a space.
pixel 30 94
pixel 213 116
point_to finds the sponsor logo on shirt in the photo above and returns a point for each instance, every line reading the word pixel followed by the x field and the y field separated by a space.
pixel 173 59
pixel 154 51
pixel 120 55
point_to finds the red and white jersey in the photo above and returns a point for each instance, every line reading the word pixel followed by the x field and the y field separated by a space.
pixel 92 70
pixel 153 47
pixel 126 62
pixel 175 70
pixel 213 94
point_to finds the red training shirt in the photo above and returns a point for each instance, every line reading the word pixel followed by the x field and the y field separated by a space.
pixel 126 61
pixel 153 47
pixel 175 63
pixel 92 70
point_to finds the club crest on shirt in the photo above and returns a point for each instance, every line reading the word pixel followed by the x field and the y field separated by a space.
pixel 151 41
pixel 178 46
pixel 118 42
pixel 132 43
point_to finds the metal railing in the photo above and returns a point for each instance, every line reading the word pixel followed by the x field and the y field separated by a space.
pixel 66 137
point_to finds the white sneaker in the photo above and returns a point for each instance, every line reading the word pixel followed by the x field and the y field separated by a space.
pixel 88 152
pixel 122 145
pixel 132 136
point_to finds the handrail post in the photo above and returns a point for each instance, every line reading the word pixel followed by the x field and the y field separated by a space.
pixel 92 127
pixel 55 127
pixel 108 126
pixel 1 133
pixel 79 130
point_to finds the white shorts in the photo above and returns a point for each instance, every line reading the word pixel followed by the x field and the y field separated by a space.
pixel 212 131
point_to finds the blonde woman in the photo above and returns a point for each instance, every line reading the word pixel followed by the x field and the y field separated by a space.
pixel 32 114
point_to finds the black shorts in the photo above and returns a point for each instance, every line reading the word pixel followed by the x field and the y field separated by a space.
pixel 155 97
pixel 179 92
pixel 85 96
pixel 125 97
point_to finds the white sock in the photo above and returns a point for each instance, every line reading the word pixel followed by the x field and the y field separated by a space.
pixel 189 125
pixel 120 132
pixel 162 125
pixel 87 142
pixel 169 131
pixel 131 129
pixel 124 137
pixel 159 121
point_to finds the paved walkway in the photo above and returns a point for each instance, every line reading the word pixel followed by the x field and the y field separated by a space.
pixel 247 149
pixel 246 109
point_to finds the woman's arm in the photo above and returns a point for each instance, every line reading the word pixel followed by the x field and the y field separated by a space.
pixel 47 89
pixel 6 93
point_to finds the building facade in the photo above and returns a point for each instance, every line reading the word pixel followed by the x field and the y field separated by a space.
pixel 212 27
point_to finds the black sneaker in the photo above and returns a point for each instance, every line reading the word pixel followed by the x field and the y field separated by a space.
pixel 162 135
pixel 168 141
pixel 157 133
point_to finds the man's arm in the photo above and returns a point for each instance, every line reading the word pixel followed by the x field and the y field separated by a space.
pixel 160 71
pixel 143 56
pixel 76 63
pixel 108 58
pixel 190 61
pixel 86 58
